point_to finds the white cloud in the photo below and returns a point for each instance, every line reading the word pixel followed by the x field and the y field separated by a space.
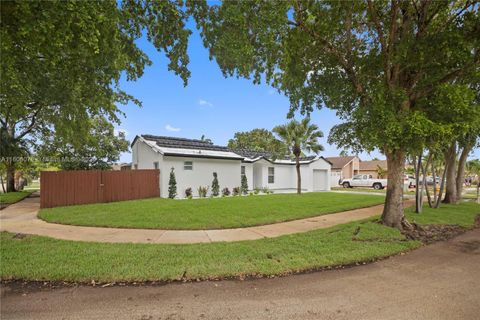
pixel 205 103
pixel 170 128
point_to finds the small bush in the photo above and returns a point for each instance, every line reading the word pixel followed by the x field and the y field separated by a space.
pixel 188 193
pixel 202 191
pixel 225 192
pixel 244 186
pixel 172 185
pixel 236 191
pixel 265 190
pixel 215 185
pixel 256 190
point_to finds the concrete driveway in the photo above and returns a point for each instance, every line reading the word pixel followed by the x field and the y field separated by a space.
pixel 440 281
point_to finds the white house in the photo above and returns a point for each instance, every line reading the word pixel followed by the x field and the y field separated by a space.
pixel 195 161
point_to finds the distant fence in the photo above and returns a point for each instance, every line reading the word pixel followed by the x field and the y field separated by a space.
pixel 64 188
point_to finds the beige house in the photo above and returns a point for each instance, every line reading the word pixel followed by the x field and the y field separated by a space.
pixel 373 168
pixel 343 168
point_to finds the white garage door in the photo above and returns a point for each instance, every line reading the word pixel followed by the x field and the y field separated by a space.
pixel 320 180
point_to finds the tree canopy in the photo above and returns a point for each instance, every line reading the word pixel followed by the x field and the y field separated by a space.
pixel 375 63
pixel 62 62
pixel 100 150
pixel 257 140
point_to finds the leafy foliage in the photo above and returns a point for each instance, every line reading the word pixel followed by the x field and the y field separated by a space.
pixel 202 191
pixel 375 63
pixel 215 185
pixel 257 140
pixel 244 184
pixel 62 62
pixel 172 185
pixel 101 148
pixel 300 136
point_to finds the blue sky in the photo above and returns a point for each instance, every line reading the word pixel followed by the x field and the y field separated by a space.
pixel 210 104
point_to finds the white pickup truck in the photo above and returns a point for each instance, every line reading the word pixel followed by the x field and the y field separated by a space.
pixel 364 180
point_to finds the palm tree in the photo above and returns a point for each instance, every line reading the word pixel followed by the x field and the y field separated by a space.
pixel 299 136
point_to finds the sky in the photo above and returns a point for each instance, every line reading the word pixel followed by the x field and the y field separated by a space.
pixel 210 105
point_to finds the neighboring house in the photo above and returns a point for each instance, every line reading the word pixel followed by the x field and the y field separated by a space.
pixel 194 162
pixel 373 168
pixel 343 168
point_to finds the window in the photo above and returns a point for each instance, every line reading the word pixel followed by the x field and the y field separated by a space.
pixel 188 165
pixel 135 166
pixel 357 177
pixel 242 170
pixel 271 175
pixel 155 165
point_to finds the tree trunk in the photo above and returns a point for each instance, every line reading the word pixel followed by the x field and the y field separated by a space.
pixel 478 192
pixel 434 175
pixel 451 182
pixel 10 176
pixel 442 184
pixel 425 185
pixel 461 170
pixel 299 178
pixel 417 165
pixel 393 214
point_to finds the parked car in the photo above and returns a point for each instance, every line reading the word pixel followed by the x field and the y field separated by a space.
pixel 409 180
pixel 364 180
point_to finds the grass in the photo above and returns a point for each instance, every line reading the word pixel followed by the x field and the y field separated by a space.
pixel 215 213
pixel 42 258
pixel 33 186
pixel 12 197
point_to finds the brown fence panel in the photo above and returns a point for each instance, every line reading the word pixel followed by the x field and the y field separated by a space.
pixel 64 188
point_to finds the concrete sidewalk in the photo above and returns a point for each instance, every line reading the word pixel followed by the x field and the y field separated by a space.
pixel 22 218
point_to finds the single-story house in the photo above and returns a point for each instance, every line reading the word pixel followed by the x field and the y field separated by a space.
pixel 343 168
pixel 373 168
pixel 195 161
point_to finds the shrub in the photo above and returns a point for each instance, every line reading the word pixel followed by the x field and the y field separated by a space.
pixel 172 185
pixel 236 191
pixel 202 191
pixel 244 184
pixel 256 190
pixel 265 190
pixel 188 193
pixel 225 192
pixel 215 186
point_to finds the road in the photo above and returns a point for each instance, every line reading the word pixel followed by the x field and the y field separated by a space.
pixel 440 281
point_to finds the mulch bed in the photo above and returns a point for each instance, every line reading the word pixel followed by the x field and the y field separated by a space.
pixel 433 233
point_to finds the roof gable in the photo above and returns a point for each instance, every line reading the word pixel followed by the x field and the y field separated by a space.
pixel 339 162
pixel 373 165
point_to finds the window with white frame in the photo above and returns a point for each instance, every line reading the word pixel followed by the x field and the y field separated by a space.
pixel 271 175
pixel 188 165
pixel 135 166
pixel 155 165
pixel 242 171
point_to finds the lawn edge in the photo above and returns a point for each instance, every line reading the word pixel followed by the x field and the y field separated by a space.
pixel 203 229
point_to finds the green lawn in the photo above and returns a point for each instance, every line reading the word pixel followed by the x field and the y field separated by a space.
pixel 42 258
pixel 12 197
pixel 211 213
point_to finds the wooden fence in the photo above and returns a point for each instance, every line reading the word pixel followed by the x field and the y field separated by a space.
pixel 64 188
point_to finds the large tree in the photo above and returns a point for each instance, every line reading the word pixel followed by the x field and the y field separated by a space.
pixel 62 62
pixel 300 136
pixel 257 140
pixel 372 62
pixel 100 150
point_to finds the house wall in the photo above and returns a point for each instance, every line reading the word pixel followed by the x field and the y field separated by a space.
pixel 351 169
pixel 320 164
pixel 249 174
pixel 228 172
